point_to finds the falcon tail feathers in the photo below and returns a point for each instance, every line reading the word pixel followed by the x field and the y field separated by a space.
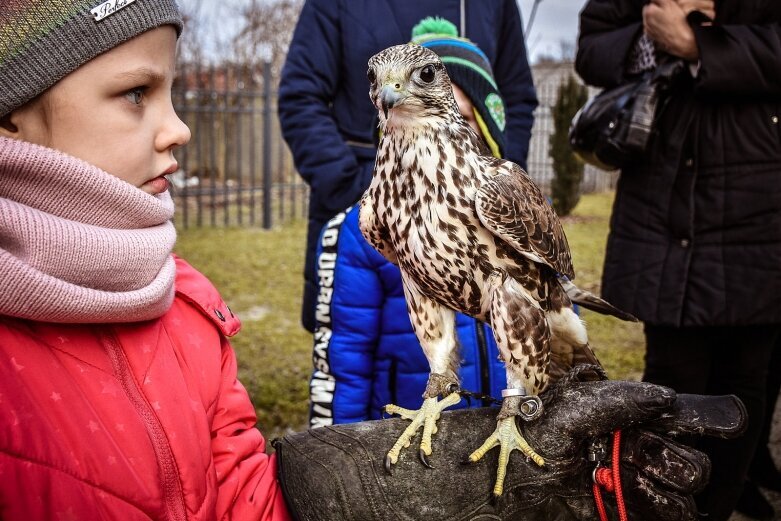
pixel 590 301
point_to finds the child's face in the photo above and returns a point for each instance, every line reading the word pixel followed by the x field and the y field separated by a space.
pixel 115 112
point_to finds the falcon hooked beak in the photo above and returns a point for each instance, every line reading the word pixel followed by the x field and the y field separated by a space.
pixel 391 94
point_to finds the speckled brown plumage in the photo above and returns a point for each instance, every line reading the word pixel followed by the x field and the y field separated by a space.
pixel 469 232
pixel 462 224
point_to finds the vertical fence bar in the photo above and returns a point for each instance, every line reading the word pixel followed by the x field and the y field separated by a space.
pixel 290 178
pixel 281 178
pixel 213 106
pixel 240 89
pixel 304 201
pixel 227 113
pixel 267 145
pixel 184 151
pixel 252 144
pixel 199 133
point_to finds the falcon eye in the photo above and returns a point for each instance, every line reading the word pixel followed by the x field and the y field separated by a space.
pixel 427 74
pixel 370 74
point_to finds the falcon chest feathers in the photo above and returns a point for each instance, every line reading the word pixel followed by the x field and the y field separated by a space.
pixel 470 233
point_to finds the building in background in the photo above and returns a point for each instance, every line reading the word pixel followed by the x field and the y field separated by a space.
pixel 548 76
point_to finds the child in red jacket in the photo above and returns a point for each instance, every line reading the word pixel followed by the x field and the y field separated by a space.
pixel 118 389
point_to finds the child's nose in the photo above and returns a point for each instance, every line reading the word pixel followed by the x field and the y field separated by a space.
pixel 182 131
pixel 174 133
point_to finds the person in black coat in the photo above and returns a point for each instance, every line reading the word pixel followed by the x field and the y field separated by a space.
pixel 695 243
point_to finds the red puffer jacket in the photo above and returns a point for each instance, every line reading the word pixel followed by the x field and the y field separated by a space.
pixel 133 421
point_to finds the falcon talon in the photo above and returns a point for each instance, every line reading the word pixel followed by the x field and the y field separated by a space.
pixel 387 465
pixel 424 459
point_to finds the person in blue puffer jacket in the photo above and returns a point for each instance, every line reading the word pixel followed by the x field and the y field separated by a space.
pixel 366 354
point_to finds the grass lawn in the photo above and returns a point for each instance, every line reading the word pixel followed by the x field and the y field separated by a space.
pixel 619 345
pixel 259 274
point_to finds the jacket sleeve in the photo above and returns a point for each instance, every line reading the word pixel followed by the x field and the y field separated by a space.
pixel 514 79
pixel 346 339
pixel 309 81
pixel 608 30
pixel 743 60
pixel 247 477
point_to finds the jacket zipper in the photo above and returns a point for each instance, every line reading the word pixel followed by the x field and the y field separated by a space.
pixel 482 347
pixel 173 498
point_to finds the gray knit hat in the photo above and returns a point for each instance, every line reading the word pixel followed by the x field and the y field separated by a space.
pixel 42 41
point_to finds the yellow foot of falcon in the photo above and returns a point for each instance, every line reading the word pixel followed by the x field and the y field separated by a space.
pixel 508 438
pixel 427 416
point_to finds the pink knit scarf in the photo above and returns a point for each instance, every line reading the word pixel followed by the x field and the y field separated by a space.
pixel 77 244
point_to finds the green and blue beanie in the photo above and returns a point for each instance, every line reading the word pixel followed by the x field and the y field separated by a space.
pixel 42 41
pixel 469 68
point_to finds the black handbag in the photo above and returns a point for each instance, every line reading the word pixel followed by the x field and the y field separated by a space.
pixel 612 129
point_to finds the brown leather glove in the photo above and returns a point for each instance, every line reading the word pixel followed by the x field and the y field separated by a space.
pixel 337 473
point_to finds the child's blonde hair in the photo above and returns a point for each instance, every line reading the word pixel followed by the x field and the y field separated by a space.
pixel 41 41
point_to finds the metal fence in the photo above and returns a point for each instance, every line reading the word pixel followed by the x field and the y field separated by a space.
pixel 237 170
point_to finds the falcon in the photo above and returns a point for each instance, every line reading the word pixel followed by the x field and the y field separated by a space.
pixel 469 233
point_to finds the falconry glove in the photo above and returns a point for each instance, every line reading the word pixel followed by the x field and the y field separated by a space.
pixel 337 472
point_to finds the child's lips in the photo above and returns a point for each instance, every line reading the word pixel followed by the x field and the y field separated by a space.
pixel 158 185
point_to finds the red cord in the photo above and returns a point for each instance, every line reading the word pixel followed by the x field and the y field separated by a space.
pixel 600 503
pixel 610 479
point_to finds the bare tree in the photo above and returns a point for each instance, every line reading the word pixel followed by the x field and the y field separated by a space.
pixel 191 43
pixel 267 28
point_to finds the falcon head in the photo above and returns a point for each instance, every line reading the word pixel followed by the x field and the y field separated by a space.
pixel 409 81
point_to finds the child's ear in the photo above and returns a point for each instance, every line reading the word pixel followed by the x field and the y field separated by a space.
pixel 7 126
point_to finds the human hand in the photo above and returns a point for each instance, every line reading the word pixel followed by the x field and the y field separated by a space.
pixel 706 7
pixel 664 21
pixel 337 472
pixel 659 473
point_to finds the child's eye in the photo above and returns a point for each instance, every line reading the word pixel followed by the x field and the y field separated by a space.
pixel 136 95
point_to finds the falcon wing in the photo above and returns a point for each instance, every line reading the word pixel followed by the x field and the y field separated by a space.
pixel 511 206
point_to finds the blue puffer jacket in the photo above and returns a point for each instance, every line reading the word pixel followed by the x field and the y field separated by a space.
pixel 366 354
pixel 324 108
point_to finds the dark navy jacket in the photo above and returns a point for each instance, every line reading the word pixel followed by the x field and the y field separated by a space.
pixel 324 106
pixel 366 354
